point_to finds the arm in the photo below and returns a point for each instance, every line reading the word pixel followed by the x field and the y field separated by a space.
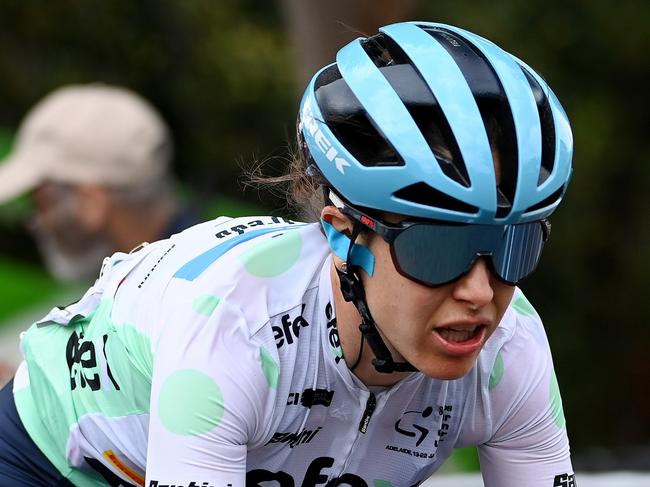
pixel 211 397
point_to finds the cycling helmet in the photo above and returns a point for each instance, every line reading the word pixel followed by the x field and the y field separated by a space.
pixel 407 122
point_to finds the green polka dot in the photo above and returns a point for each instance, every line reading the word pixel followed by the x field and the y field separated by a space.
pixel 497 372
pixel 205 305
pixel 382 483
pixel 274 256
pixel 523 306
pixel 556 403
pixel 270 368
pixel 190 403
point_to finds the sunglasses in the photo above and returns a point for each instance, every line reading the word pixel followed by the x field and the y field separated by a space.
pixel 434 254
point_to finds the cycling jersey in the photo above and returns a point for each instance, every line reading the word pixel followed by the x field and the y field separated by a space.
pixel 213 359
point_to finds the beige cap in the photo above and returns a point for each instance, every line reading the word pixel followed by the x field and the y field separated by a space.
pixel 87 134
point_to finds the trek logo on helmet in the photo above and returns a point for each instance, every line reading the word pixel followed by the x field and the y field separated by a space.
pixel 308 121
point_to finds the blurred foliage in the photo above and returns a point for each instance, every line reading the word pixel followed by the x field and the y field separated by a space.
pixel 22 285
pixel 6 141
pixel 222 75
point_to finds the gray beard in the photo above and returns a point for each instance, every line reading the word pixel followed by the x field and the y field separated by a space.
pixel 83 265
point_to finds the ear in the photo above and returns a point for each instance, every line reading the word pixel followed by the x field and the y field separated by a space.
pixel 342 223
pixel 93 205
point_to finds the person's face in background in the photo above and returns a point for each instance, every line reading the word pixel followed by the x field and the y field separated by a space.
pixel 72 249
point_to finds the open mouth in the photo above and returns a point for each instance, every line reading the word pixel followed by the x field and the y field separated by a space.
pixel 460 335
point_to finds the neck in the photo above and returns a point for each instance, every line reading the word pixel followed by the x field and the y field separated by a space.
pixel 347 321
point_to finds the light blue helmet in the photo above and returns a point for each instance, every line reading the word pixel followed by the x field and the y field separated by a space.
pixel 407 121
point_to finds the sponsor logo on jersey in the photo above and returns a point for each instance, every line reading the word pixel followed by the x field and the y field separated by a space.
pixel 237 235
pixel 81 357
pixel 564 480
pixel 241 228
pixel 309 123
pixel 408 427
pixel 292 439
pixel 311 397
pixel 289 329
pixel 418 426
pixel 333 333
pixel 316 474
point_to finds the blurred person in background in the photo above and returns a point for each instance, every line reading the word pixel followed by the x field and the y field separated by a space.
pixel 96 161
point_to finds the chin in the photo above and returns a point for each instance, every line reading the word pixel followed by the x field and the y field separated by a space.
pixel 447 371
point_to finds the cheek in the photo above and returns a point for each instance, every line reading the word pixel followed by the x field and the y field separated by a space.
pixel 385 277
pixel 385 282
pixel 502 297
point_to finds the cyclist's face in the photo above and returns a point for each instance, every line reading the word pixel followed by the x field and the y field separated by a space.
pixel 439 330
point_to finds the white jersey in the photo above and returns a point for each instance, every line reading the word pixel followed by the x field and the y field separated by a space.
pixel 212 359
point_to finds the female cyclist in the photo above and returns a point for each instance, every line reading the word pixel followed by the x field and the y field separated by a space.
pixel 358 350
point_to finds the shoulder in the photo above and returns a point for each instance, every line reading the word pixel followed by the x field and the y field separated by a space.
pixel 519 342
pixel 233 305
pixel 515 413
pixel 515 376
pixel 261 265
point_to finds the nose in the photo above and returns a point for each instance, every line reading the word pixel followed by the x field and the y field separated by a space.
pixel 475 287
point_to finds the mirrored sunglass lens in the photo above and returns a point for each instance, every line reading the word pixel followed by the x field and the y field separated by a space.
pixel 434 254
pixel 520 252
pixel 437 254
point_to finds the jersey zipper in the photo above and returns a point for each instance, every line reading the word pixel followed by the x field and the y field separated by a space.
pixel 371 404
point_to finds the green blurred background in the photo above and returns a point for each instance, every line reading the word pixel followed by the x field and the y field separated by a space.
pixel 225 76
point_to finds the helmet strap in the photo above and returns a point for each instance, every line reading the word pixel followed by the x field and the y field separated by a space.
pixel 352 291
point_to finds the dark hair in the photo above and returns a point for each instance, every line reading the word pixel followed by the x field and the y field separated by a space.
pixel 301 188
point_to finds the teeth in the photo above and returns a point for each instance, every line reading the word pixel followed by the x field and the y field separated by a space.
pixel 472 329
pixel 456 335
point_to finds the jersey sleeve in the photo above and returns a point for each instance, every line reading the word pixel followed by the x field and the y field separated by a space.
pixel 529 443
pixel 212 395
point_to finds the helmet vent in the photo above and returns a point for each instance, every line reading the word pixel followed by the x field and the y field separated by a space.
pixel 424 194
pixel 383 51
pixel 327 76
pixel 436 131
pixel 547 201
pixel 421 104
pixel 476 70
pixel 493 105
pixel 347 119
pixel 360 137
pixel 548 127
